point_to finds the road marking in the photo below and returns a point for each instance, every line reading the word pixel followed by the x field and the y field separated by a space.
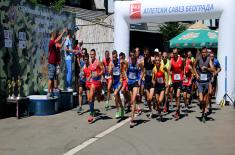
pixel 97 137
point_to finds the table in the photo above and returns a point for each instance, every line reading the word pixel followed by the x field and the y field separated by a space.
pixel 18 102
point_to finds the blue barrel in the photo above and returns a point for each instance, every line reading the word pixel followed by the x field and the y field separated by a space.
pixel 40 105
pixel 66 99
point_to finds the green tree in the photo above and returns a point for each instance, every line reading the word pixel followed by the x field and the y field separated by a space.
pixel 56 4
pixel 171 29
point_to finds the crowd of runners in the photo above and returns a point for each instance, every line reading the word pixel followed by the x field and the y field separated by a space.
pixel 155 78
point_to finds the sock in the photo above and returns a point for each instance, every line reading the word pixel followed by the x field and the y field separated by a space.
pixel 91 108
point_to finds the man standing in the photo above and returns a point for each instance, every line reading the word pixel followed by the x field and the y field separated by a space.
pixel 52 61
pixel 68 60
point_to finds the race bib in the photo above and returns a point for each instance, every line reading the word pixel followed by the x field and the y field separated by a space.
pixel 132 76
pixel 116 71
pixel 94 74
pixel 177 77
pixel 203 77
pixel 185 80
pixel 107 76
pixel 149 72
pixel 160 80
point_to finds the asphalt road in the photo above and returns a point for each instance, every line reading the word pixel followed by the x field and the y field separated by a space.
pixel 57 134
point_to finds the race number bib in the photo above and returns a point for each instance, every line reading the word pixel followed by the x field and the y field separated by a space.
pixel 203 77
pixel 107 76
pixel 94 74
pixel 116 72
pixel 185 80
pixel 160 80
pixel 132 76
pixel 149 72
pixel 177 77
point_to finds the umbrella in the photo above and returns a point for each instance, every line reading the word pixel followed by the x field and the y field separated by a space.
pixel 195 38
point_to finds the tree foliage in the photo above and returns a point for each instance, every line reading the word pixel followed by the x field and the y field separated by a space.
pixel 56 4
pixel 171 29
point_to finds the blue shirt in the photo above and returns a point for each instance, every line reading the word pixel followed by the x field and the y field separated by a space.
pixel 216 63
pixel 133 74
pixel 116 72
pixel 68 44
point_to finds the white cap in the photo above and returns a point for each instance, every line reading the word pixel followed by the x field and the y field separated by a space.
pixel 156 50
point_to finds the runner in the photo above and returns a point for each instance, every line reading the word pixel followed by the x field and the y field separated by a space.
pixel 148 85
pixel 160 81
pixel 203 68
pixel 140 93
pixel 83 81
pixel 107 75
pixel 117 85
pixel 166 66
pixel 123 78
pixel 213 85
pixel 177 78
pixel 187 82
pixel 96 69
pixel 133 74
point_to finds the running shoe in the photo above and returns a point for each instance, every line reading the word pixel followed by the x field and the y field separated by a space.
pixel 122 113
pixel 203 119
pixel 150 115
pixel 177 116
pixel 186 111
pixel 171 107
pixel 80 110
pixel 138 110
pixel 90 119
pixel 117 114
pixel 106 105
pixel 132 124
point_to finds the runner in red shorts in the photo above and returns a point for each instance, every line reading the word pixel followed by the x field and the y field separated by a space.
pixel 107 62
pixel 96 69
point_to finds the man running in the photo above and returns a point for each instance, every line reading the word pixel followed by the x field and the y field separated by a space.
pixel 133 74
pixel 177 78
pixel 107 75
pixel 187 82
pixel 84 82
pixel 123 78
pixel 160 81
pixel 148 85
pixel 166 67
pixel 96 69
pixel 213 85
pixel 203 68
pixel 117 85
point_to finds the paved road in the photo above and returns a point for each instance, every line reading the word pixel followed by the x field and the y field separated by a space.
pixel 57 134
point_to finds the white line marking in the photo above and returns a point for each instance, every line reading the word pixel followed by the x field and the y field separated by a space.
pixel 97 137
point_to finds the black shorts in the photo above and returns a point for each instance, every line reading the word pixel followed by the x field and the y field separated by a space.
pixel 214 81
pixel 187 89
pixel 82 84
pixel 148 85
pixel 176 85
pixel 159 88
pixel 131 86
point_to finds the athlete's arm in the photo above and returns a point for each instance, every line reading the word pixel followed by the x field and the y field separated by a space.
pixel 101 68
pixel 194 68
pixel 60 36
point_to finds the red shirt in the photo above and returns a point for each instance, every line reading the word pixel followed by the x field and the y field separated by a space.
pixel 177 69
pixel 52 58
